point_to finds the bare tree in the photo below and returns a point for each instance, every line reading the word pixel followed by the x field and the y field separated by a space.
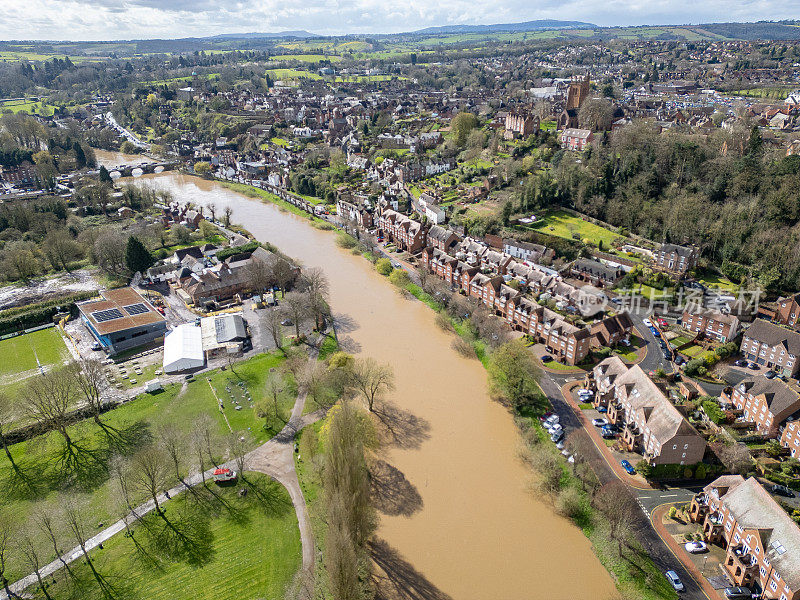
pixel 48 399
pixel 372 380
pixel 7 542
pixel 89 379
pixel 212 208
pixel 75 524
pixel 296 306
pixel 174 444
pixel 46 524
pixel 284 273
pixel 149 474
pixel 30 555
pixel 735 457
pixel 259 274
pixel 228 212
pixel 316 283
pixel 272 323
pixel 616 503
pixel 6 418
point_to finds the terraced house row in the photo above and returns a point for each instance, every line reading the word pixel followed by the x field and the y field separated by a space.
pixel 762 542
pixel 651 424
pixel 486 278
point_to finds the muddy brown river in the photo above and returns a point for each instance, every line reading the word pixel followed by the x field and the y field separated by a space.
pixel 463 523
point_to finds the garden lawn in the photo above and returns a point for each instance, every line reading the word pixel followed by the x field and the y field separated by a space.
pixel 255 557
pixel 720 282
pixel 561 223
pixel 19 353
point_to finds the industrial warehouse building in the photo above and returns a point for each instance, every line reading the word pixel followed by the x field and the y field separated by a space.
pixel 122 320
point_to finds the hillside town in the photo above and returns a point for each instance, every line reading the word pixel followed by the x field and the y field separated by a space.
pixel 201 257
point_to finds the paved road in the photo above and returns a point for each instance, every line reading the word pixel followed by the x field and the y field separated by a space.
pixel 648 500
pixel 128 135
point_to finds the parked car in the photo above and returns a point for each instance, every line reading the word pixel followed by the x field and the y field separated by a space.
pixel 674 580
pixel 753 366
pixel 738 593
pixel 647 323
pixel 781 490
pixel 740 363
pixel 599 422
pixel 627 466
pixel 547 358
pixel 545 416
pixel 585 393
pixel 662 322
pixel 557 436
pixel 552 419
pixel 608 433
pixel 770 374
pixel 696 547
pixel 560 445
pixel 287 323
pixel 602 409
pixel 96 346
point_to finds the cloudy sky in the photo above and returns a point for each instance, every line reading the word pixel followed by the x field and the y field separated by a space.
pixel 130 19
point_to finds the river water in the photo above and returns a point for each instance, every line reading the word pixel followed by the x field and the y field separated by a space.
pixel 110 159
pixel 462 522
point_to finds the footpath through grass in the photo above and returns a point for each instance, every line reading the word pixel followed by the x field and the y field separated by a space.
pixel 132 427
pixel 249 547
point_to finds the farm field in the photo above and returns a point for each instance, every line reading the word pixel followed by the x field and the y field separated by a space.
pixel 307 58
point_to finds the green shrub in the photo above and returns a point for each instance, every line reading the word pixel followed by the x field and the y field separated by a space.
pixel 714 412
pixel 346 241
pixel 399 278
pixel 644 468
pixel 384 266
pixel 234 250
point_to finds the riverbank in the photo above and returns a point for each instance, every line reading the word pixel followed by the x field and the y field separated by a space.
pixel 476 526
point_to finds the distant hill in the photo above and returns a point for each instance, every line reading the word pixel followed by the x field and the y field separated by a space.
pixel 299 33
pixel 761 30
pixel 540 25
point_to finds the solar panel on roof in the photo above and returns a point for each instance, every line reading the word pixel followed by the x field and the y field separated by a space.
pixel 101 316
pixel 136 309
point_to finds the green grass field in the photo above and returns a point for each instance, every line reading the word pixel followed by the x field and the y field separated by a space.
pixel 139 420
pixel 561 223
pixel 253 554
pixel 307 58
pixel 20 353
pixel 28 106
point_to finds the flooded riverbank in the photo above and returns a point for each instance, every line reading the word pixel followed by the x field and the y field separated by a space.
pixel 110 159
pixel 463 517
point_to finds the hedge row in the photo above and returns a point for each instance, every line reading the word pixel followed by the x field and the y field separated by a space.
pixel 32 315
pixel 233 250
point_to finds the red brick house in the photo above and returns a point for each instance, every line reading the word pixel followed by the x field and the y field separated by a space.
pixel 612 330
pixel 442 238
pixel 761 540
pixel 576 139
pixel 791 438
pixel 651 425
pixel 713 324
pixel 407 234
pixel 765 402
pixel 675 260
pixel 788 310
pixel 772 346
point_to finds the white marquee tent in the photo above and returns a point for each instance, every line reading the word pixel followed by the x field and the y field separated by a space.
pixel 183 349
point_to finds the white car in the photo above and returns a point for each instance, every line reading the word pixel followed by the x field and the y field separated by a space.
pixel 601 422
pixel 571 459
pixel 556 428
pixel 552 419
pixel 647 322
pixel 560 445
pixel 696 547
pixel 584 392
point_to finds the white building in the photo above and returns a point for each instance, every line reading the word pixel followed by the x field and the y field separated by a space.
pixel 183 349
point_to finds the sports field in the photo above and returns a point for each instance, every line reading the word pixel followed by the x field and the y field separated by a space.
pixel 20 353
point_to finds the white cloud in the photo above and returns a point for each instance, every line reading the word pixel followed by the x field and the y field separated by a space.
pixel 126 19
